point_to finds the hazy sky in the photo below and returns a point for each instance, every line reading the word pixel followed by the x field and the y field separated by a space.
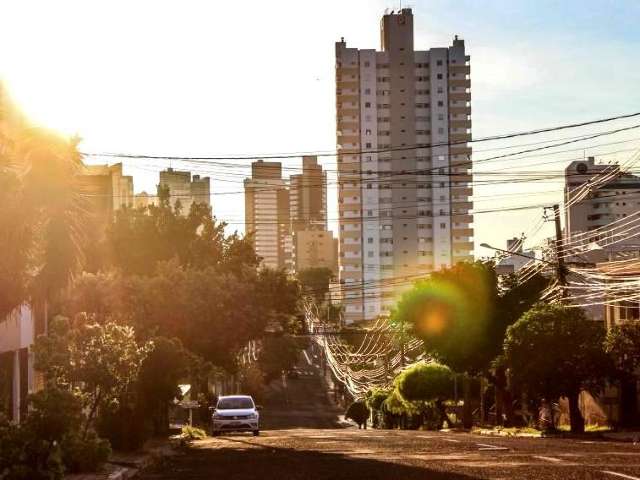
pixel 207 77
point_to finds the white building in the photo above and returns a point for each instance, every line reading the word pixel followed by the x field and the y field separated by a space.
pixel 612 201
pixel 403 210
pixel 17 379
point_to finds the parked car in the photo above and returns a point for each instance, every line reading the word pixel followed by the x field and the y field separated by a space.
pixel 236 413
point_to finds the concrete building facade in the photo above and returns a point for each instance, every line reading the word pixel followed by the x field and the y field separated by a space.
pixel 185 188
pixel 612 201
pixel 308 196
pixel 266 209
pixel 315 249
pixel 404 169
pixel 106 188
pixel 17 376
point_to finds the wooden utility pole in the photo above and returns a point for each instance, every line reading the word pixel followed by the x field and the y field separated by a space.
pixel 562 279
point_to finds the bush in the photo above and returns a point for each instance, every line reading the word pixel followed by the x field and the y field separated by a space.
pixel 85 455
pixel 358 412
pixel 192 433
pixel 125 427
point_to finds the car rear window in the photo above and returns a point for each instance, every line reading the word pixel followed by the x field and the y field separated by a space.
pixel 234 403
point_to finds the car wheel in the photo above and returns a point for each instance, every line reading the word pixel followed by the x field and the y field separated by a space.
pixel 256 433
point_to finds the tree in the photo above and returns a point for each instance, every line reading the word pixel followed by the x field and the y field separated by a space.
pixel 555 351
pixel 43 216
pixel 100 361
pixel 278 354
pixel 141 238
pixel 315 282
pixel 166 364
pixel 427 383
pixel 622 344
pixel 375 402
pixel 461 313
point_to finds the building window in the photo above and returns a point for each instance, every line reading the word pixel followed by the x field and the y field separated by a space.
pixel 370 240
pixel 443 225
pixel 367 105
pixel 439 63
pixel 440 103
pixel 439 76
pixel 366 64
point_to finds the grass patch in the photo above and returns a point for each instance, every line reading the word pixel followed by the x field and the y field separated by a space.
pixel 192 433
pixel 587 428
pixel 509 431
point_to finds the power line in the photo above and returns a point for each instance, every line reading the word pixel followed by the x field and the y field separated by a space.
pixel 371 151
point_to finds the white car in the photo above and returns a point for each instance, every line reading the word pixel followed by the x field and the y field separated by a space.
pixel 236 413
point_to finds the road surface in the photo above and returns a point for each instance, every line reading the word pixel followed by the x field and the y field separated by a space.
pixel 302 439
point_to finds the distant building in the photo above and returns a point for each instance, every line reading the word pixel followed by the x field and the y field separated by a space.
pixel 106 188
pixel 143 200
pixel 589 208
pixel 512 263
pixel 315 249
pixel 185 189
pixel 267 220
pixel 308 197
pixel 404 211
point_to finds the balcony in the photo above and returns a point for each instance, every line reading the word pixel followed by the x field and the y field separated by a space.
pixel 459 110
pixel 460 123
pixel 459 97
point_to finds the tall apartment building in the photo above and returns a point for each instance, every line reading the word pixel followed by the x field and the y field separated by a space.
pixel 308 196
pixel 266 210
pixel 404 168
pixel 186 189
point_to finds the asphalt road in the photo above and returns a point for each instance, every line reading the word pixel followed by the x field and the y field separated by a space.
pixel 302 439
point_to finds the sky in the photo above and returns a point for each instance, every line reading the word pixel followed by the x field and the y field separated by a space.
pixel 254 77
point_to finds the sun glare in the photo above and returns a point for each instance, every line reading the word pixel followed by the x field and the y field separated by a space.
pixel 54 111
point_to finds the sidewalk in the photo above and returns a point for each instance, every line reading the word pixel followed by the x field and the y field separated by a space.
pixel 123 466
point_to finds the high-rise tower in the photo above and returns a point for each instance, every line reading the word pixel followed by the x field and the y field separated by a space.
pixel 404 165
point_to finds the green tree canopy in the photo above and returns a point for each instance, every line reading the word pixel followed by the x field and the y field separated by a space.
pixel 425 382
pixel 100 361
pixel 141 238
pixel 315 282
pixel 622 344
pixel 555 351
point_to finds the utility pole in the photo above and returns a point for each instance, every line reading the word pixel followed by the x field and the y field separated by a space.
pixel 562 279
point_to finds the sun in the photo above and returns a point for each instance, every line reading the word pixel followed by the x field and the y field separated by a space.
pixel 46 102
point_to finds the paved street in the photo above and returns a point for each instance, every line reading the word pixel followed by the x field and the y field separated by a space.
pixel 375 454
pixel 301 441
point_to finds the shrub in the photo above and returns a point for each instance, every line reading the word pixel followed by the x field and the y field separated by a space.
pixel 85 455
pixel 358 412
pixel 126 427
pixel 192 433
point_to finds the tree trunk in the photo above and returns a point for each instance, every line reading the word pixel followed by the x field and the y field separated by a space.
pixel 467 413
pixel 442 413
pixel 92 413
pixel 629 403
pixel 575 416
pixel 500 383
